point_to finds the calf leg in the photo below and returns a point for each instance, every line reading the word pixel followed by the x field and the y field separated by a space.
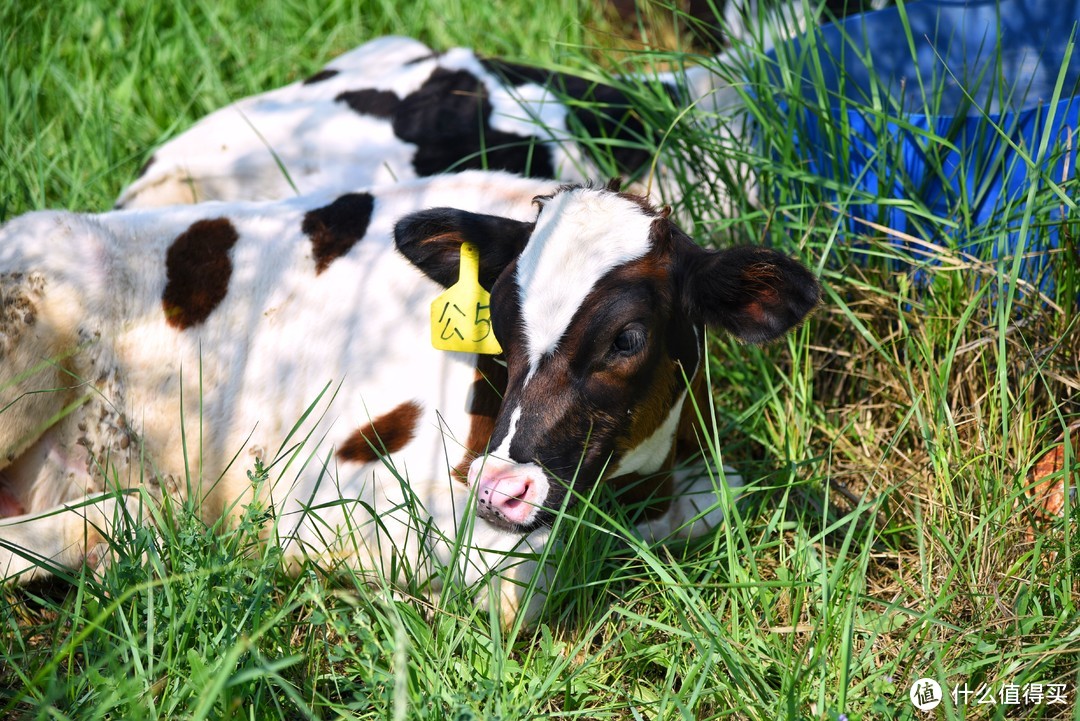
pixel 697 507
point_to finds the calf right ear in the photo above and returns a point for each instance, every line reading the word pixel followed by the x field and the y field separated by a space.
pixel 756 294
pixel 431 240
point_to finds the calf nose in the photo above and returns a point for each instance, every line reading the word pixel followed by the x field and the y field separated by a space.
pixel 508 494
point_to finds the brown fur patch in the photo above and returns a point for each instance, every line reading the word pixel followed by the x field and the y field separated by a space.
pixel 763 279
pixel 643 203
pixel 486 400
pixel 198 269
pixel 653 410
pixel 387 434
pixel 336 228
pixel 656 488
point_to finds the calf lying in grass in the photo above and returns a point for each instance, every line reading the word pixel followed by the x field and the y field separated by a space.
pixel 167 350
pixel 393 110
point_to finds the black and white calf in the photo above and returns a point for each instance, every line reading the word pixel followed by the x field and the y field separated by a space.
pixel 230 322
pixel 393 110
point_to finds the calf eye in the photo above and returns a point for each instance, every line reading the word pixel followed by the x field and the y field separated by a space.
pixel 630 341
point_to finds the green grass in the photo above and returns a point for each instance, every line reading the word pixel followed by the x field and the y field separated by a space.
pixel 885 536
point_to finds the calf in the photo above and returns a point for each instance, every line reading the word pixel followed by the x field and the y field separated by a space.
pixel 168 349
pixel 393 109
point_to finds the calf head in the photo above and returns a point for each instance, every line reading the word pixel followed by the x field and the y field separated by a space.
pixel 599 306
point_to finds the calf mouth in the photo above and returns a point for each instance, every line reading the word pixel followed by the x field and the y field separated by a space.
pixel 511 496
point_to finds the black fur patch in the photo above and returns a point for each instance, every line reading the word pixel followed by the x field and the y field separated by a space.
pixel 756 294
pixel 422 59
pixel 599 111
pixel 336 228
pixel 378 103
pixel 431 240
pixel 449 120
pixel 318 77
pixel 198 269
pixel 145 167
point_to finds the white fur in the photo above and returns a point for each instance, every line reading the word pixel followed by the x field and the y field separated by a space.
pixel 648 457
pixel 503 451
pixel 580 236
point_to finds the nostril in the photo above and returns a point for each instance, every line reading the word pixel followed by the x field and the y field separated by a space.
pixel 517 499
pixel 509 495
pixel 509 490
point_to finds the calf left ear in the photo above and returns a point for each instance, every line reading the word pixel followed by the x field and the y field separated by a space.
pixel 756 294
pixel 431 240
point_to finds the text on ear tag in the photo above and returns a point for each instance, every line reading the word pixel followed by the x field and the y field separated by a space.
pixel 461 314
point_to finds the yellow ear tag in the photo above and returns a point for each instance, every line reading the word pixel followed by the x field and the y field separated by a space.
pixel 461 315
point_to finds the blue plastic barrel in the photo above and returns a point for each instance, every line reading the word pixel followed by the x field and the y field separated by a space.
pixel 964 67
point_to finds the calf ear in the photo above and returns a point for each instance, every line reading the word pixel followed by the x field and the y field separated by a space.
pixel 756 294
pixel 431 240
